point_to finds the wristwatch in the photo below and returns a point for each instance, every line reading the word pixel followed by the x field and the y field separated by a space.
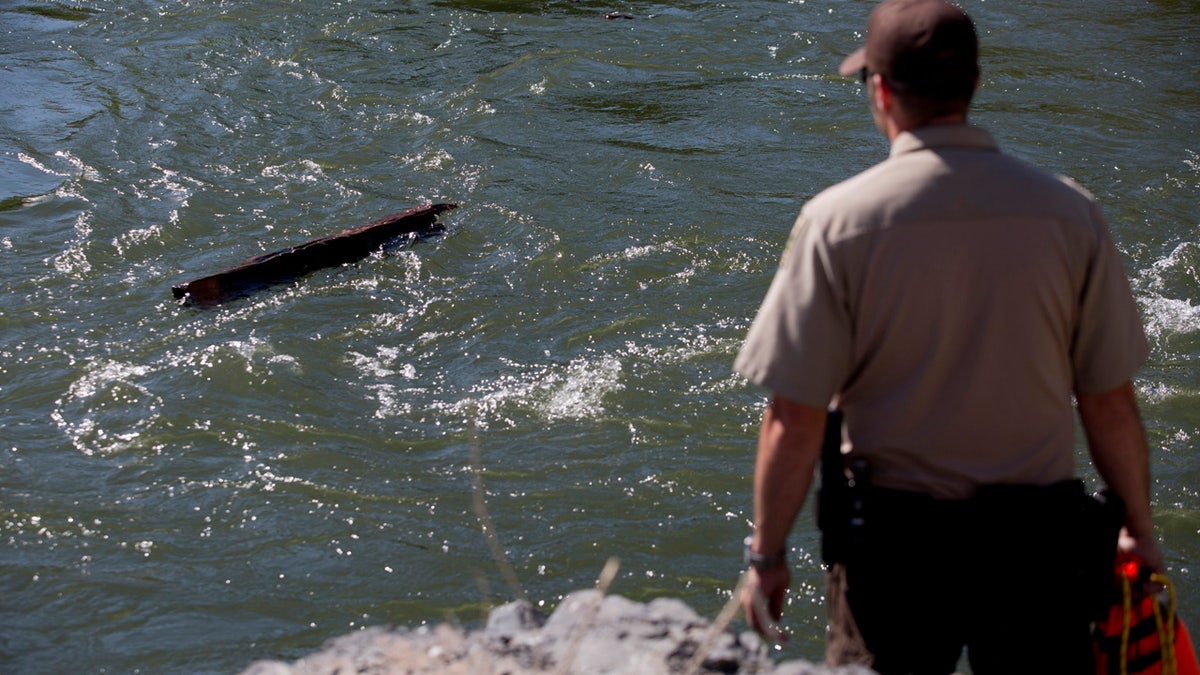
pixel 762 562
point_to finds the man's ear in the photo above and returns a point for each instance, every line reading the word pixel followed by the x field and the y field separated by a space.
pixel 882 94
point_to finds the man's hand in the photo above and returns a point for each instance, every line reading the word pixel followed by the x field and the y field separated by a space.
pixel 762 599
pixel 1144 548
pixel 1117 442
pixel 789 447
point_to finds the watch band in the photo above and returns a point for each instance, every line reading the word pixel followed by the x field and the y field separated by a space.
pixel 761 561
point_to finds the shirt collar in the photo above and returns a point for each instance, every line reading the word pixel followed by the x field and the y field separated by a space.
pixel 943 136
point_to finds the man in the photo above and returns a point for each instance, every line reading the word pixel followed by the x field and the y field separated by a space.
pixel 950 301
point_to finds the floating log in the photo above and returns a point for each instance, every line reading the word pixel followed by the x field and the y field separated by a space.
pixel 291 263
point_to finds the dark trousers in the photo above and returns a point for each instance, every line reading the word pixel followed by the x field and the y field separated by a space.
pixel 1015 576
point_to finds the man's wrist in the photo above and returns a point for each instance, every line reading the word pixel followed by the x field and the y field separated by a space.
pixel 763 561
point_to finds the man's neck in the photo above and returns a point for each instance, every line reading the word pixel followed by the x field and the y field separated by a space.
pixel 893 127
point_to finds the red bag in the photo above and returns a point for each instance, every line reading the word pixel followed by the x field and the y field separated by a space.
pixel 1142 636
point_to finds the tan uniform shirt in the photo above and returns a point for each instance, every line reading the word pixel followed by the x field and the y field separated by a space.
pixel 949 300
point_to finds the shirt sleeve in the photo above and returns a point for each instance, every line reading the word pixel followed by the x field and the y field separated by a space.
pixel 1110 342
pixel 799 343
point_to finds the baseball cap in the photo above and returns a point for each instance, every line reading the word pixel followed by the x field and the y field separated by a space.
pixel 929 46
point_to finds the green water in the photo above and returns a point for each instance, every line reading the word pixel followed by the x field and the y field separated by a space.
pixel 187 490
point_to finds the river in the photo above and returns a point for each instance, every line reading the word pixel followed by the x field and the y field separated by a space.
pixel 186 490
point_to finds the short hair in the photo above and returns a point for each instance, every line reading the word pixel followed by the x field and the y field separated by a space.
pixel 922 104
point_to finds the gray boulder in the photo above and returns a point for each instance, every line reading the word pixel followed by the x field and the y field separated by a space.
pixel 588 634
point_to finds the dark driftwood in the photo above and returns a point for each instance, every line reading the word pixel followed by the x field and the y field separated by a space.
pixel 290 263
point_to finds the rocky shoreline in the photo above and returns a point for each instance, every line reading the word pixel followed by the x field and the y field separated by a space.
pixel 588 633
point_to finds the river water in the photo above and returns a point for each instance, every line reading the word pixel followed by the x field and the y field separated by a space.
pixel 186 490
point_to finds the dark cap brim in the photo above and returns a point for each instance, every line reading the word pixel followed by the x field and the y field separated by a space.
pixel 854 63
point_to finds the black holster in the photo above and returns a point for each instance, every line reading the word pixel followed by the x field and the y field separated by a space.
pixel 861 524
pixel 841 498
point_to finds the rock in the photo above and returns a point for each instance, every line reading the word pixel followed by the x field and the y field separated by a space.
pixel 588 633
